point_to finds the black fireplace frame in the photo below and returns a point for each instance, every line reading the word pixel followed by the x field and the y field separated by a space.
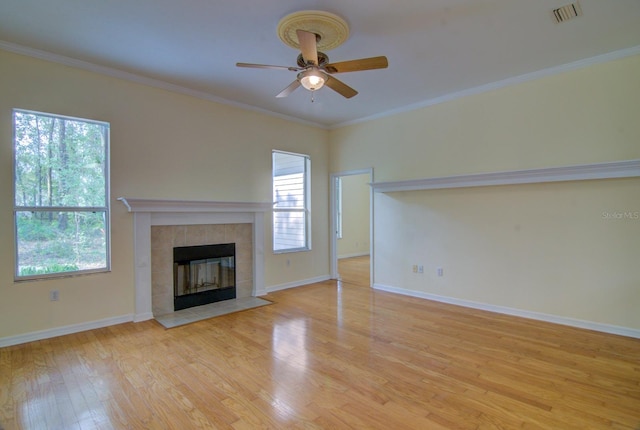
pixel 186 254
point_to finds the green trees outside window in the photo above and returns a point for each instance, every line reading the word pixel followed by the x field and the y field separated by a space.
pixel 61 205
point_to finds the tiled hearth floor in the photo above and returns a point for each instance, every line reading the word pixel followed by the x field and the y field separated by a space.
pixel 198 313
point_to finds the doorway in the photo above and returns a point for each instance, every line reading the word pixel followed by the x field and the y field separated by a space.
pixel 351 218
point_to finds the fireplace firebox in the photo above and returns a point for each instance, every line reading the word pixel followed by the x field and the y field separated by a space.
pixel 203 274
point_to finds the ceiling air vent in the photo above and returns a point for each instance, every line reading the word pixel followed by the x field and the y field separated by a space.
pixel 567 12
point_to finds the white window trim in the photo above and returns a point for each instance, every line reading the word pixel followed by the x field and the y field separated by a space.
pixel 306 209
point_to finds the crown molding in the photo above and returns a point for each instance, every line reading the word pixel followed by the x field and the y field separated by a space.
pixel 598 59
pixel 143 80
pixel 616 169
pixel 120 74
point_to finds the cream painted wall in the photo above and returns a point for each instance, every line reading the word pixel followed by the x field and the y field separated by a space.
pixel 355 216
pixel 546 248
pixel 164 145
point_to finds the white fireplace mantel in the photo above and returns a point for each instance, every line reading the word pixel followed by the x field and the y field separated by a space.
pixel 148 205
pixel 147 213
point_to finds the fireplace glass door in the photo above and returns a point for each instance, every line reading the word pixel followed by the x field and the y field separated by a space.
pixel 203 274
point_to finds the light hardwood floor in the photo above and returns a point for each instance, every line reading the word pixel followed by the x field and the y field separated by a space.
pixel 332 356
pixel 354 270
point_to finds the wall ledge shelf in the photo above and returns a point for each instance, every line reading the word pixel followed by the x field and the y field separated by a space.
pixel 616 169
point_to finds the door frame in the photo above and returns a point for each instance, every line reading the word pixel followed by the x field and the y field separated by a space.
pixel 332 222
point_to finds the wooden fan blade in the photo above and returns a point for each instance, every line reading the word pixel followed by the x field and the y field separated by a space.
pixel 267 66
pixel 307 41
pixel 357 65
pixel 340 87
pixel 284 93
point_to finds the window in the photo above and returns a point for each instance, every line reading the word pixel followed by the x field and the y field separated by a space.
pixel 291 190
pixel 61 195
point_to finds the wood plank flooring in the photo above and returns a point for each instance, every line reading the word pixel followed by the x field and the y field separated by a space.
pixel 355 270
pixel 327 356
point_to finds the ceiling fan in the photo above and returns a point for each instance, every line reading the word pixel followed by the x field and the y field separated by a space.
pixel 314 68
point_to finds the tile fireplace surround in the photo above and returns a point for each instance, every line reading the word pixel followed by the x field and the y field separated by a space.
pixel 179 223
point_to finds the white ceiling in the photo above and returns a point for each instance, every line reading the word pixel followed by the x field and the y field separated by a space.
pixel 435 47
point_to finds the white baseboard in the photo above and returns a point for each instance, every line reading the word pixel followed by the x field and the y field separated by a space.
pixel 589 325
pixel 261 292
pixel 77 328
pixel 61 331
pixel 143 317
pixel 355 254
pixel 572 322
pixel 298 283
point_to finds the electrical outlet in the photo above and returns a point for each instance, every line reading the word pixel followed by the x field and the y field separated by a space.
pixel 54 295
pixel 440 272
pixel 421 269
pixel 415 268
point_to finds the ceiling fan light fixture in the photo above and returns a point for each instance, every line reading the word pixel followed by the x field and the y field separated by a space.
pixel 311 79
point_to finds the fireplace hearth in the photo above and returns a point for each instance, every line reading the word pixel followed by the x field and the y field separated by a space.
pixel 203 274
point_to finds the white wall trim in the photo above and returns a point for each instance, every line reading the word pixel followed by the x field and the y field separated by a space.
pixel 616 169
pixel 354 172
pixel 132 77
pixel 64 330
pixel 142 317
pixel 333 245
pixel 144 80
pixel 598 59
pixel 148 205
pixel 572 322
pixel 299 283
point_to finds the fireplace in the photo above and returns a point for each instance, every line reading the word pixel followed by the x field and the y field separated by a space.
pixel 203 274
pixel 160 225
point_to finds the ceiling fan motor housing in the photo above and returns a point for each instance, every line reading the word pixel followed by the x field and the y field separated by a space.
pixel 322 60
